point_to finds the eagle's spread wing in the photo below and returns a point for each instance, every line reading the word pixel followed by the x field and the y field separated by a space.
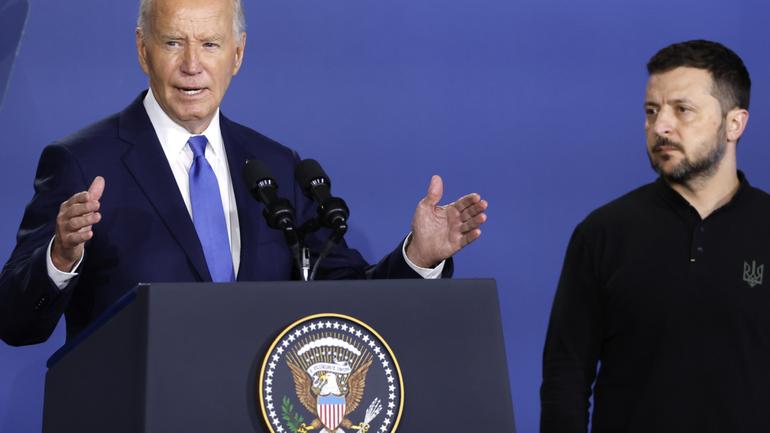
pixel 302 385
pixel 356 384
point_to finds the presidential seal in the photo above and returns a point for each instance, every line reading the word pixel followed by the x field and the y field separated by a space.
pixel 330 373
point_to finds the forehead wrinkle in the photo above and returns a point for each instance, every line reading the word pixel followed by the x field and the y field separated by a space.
pixel 682 80
pixel 232 18
pixel 186 18
pixel 679 93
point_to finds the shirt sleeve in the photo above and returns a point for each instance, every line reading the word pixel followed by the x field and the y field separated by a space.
pixel 59 278
pixel 426 273
pixel 572 343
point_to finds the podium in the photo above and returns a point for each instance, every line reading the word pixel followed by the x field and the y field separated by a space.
pixel 186 357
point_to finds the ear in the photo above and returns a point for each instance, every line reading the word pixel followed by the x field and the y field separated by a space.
pixel 240 48
pixel 735 123
pixel 141 51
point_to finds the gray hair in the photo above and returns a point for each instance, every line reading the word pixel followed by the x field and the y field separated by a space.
pixel 239 19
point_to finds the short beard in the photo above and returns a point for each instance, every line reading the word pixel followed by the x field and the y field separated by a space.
pixel 688 170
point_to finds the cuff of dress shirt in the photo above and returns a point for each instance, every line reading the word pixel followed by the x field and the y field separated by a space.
pixel 59 278
pixel 427 273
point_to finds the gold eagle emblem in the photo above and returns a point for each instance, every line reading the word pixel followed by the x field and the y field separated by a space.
pixel 330 373
pixel 329 380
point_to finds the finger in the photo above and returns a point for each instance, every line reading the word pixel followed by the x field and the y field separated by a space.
pixel 80 197
pixel 77 223
pixel 79 209
pixel 473 210
pixel 72 240
pixel 435 191
pixel 473 223
pixel 467 200
pixel 470 237
pixel 96 189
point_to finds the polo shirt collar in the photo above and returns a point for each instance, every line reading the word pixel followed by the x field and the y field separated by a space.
pixel 680 203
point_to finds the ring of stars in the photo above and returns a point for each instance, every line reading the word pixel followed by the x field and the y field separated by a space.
pixel 271 404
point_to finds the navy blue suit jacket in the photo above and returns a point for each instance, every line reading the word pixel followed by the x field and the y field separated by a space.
pixel 146 234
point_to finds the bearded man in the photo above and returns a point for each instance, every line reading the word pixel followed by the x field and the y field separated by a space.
pixel 662 290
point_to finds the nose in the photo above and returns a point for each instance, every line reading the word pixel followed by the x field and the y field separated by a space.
pixel 191 60
pixel 664 122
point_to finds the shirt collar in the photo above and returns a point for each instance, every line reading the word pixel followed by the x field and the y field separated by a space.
pixel 673 197
pixel 173 137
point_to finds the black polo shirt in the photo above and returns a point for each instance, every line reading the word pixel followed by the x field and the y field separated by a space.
pixel 672 309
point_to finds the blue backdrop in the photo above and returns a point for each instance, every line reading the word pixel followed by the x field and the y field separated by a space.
pixel 535 104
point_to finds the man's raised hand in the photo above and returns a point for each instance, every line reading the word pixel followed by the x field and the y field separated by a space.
pixel 74 225
pixel 438 232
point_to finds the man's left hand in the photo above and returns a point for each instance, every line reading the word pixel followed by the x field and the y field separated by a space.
pixel 438 232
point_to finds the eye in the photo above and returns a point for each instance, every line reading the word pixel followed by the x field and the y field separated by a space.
pixel 172 44
pixel 650 111
pixel 210 45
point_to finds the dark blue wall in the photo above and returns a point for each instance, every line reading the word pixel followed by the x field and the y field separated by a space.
pixel 535 104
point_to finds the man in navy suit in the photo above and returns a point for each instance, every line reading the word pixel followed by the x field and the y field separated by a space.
pixel 115 204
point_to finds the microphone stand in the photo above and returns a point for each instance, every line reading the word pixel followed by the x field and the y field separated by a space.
pixel 335 237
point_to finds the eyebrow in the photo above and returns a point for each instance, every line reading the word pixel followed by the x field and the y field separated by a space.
pixel 217 37
pixel 178 37
pixel 672 101
pixel 171 36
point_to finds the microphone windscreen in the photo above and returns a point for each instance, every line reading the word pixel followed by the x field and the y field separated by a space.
pixel 254 172
pixel 309 170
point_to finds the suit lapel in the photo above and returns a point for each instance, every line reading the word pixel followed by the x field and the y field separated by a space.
pixel 148 165
pixel 249 217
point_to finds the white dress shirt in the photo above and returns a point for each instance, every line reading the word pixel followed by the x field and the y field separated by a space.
pixel 173 139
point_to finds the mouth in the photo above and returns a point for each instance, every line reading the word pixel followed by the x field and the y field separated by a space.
pixel 191 91
pixel 665 145
pixel 664 149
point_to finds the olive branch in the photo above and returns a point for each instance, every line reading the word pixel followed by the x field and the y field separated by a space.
pixel 292 418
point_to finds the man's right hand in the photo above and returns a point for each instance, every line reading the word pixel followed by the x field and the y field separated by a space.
pixel 74 225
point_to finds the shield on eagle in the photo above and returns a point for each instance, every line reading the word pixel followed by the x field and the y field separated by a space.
pixel 331 410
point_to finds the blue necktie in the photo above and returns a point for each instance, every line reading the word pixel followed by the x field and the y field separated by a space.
pixel 208 215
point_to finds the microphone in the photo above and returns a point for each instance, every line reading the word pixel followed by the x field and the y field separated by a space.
pixel 332 211
pixel 278 212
